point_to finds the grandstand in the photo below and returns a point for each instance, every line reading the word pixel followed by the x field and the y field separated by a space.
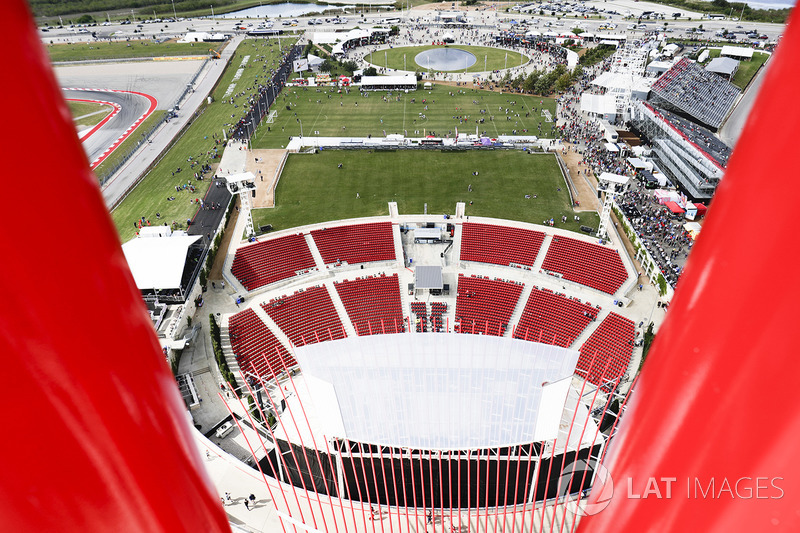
pixel 307 316
pixel 554 318
pixel 593 265
pixel 257 350
pixel 265 262
pixel 355 243
pixel 690 91
pixel 606 354
pixel 373 304
pixel 485 305
pixel 500 245
pixel 688 154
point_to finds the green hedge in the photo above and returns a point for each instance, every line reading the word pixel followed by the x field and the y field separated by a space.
pixel 216 344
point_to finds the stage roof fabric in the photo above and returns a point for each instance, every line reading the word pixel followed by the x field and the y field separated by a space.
pixel 382 81
pixel 723 65
pixel 602 104
pixel 428 277
pixel 737 51
pixel 158 262
pixel 456 391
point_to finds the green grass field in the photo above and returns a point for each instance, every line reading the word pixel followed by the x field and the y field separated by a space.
pixel 403 58
pixel 197 143
pixel 747 69
pixel 124 50
pixel 445 108
pixel 313 189
pixel 88 113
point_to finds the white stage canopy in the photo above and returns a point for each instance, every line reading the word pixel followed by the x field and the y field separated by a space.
pixel 601 104
pixel 442 391
pixel 158 262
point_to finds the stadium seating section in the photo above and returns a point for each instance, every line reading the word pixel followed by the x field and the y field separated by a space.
pixel 485 305
pixel 692 90
pixel 272 260
pixel 553 318
pixel 420 312
pixel 589 264
pixel 373 304
pixel 606 354
pixel 256 348
pixel 306 317
pixel 499 245
pixel 356 243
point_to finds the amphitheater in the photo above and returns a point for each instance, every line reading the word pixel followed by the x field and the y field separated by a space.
pixel 421 371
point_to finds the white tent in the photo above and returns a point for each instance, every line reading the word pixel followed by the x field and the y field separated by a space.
pixel 737 52
pixel 158 262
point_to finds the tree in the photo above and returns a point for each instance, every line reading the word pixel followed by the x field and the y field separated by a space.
pixel 372 71
pixel 530 82
pixel 327 65
pixel 85 19
pixel 563 82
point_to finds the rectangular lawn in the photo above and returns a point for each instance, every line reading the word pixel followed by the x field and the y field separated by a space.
pixel 331 112
pixel 313 189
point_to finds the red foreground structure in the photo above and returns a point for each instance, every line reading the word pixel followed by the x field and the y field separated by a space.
pixel 99 441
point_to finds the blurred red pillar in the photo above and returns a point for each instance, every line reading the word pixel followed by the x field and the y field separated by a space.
pixel 97 437
pixel 716 406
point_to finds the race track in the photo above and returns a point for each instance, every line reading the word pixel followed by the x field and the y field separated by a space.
pixel 132 109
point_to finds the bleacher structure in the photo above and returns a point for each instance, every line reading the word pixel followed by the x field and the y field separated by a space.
pixel 592 265
pixel 689 156
pixel 607 352
pixel 373 304
pixel 307 316
pixel 257 350
pixel 691 91
pixel 500 245
pixel 484 305
pixel 265 262
pixel 356 243
pixel 554 318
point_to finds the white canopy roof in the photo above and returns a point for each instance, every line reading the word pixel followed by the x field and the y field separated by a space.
pixel 614 178
pixel 158 262
pixel 444 383
pixel 737 51
pixel 723 65
pixel 602 104
pixel 406 79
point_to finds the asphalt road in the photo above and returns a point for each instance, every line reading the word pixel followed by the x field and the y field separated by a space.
pixel 132 106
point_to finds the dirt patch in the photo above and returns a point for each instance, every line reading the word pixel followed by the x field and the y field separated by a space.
pixel 587 195
pixel 264 164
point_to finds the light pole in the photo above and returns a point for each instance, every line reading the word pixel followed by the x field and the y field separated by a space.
pixel 212 11
pixel 174 13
